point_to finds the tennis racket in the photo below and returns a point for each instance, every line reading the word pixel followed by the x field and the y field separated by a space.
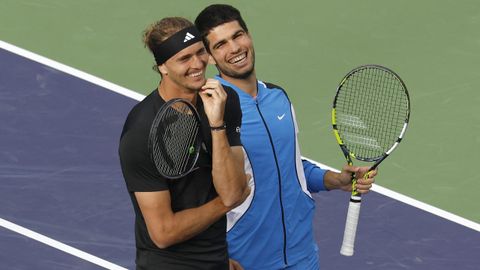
pixel 370 114
pixel 175 139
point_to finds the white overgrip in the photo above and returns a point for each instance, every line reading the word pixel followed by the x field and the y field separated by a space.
pixel 350 227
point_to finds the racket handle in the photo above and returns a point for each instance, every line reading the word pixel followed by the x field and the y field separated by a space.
pixel 351 226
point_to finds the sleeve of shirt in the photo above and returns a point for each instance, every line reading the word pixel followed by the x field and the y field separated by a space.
pixel 314 176
pixel 233 117
pixel 138 169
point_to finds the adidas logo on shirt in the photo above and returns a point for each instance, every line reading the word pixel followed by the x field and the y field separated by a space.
pixel 188 36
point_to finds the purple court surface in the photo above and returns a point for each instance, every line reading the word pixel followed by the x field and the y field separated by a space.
pixel 60 178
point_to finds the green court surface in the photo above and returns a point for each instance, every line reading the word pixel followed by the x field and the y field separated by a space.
pixel 307 47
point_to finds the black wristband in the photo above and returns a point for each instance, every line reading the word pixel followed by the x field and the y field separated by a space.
pixel 222 127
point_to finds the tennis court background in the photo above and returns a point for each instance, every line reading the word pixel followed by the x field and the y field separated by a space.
pixel 306 47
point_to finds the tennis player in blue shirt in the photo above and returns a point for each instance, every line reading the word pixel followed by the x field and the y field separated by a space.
pixel 272 229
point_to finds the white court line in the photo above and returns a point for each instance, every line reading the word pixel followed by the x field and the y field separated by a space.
pixel 70 70
pixel 415 203
pixel 85 76
pixel 129 93
pixel 58 245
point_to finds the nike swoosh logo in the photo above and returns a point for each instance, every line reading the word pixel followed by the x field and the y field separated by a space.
pixel 280 117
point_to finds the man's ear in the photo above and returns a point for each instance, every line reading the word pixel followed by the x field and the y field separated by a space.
pixel 163 69
pixel 211 61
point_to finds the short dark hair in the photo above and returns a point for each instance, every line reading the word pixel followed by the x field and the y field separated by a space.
pixel 215 15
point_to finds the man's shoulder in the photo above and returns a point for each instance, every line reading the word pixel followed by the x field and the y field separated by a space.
pixel 229 90
pixel 147 105
pixel 232 95
pixel 272 86
pixel 140 115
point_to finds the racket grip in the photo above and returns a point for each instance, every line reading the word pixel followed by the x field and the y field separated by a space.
pixel 351 226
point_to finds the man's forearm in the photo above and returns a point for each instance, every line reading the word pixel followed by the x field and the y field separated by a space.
pixel 183 225
pixel 330 180
pixel 227 169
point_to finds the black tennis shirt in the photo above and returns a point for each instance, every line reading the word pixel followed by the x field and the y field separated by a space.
pixel 207 250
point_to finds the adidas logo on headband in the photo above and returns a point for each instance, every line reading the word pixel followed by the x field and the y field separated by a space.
pixel 174 44
pixel 188 36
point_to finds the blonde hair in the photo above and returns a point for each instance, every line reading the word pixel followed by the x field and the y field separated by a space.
pixel 159 31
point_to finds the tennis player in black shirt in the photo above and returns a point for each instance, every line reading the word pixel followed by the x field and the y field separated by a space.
pixel 181 224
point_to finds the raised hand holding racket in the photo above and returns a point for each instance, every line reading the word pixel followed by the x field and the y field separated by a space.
pixel 370 115
pixel 175 138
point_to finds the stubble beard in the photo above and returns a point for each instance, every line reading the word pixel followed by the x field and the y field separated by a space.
pixel 236 75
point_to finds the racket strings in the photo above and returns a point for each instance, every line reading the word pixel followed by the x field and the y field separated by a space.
pixel 191 126
pixel 175 136
pixel 371 110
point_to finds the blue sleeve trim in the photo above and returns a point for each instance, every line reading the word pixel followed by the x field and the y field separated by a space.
pixel 314 176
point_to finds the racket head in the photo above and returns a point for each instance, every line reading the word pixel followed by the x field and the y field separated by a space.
pixel 175 139
pixel 370 114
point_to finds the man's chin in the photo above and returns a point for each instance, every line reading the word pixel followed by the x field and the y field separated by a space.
pixel 197 84
pixel 243 75
pixel 240 75
pixel 194 87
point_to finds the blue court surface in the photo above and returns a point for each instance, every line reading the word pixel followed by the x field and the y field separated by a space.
pixel 64 205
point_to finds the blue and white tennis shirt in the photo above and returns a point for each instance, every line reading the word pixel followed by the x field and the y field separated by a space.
pixel 273 227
